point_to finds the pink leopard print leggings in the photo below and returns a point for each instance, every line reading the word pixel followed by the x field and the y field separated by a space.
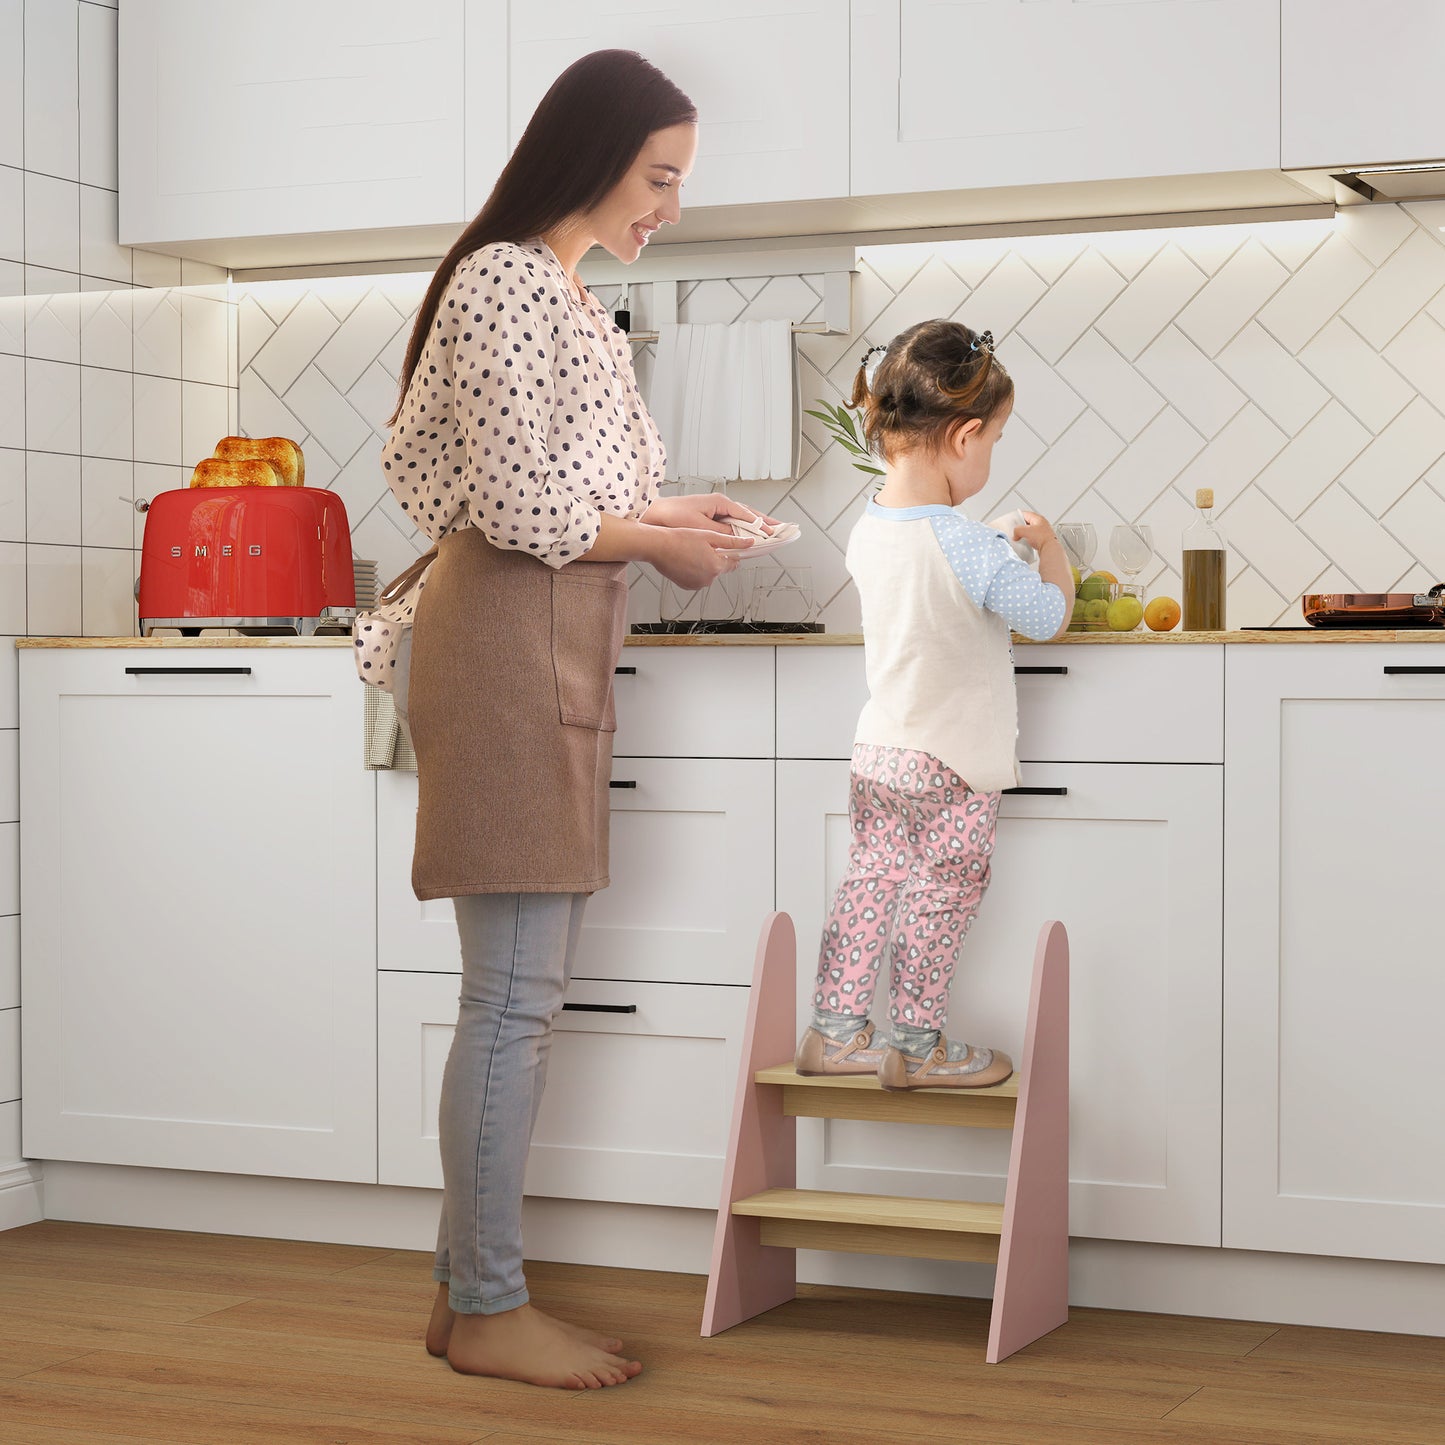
pixel 917 871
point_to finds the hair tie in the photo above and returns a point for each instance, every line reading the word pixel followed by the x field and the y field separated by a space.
pixel 870 367
pixel 982 341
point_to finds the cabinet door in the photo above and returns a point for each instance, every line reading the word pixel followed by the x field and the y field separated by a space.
pixel 1129 860
pixel 637 1104
pixel 1360 82
pixel 691 866
pixel 198 911
pixel 321 117
pixel 694 702
pixel 770 84
pixel 1030 92
pixel 1334 993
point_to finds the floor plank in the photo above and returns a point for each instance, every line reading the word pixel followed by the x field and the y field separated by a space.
pixel 113 1337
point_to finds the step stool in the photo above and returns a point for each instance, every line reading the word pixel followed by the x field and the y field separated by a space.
pixel 764 1218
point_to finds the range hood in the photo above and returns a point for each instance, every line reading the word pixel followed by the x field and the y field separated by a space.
pixel 1415 181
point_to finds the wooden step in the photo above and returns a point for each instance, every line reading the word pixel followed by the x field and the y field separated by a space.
pixel 876 1224
pixel 860 1096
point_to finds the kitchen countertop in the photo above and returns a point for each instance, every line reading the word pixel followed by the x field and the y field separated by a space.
pixel 812 639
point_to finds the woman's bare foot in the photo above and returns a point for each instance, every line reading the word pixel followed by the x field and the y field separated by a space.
pixel 439 1329
pixel 525 1344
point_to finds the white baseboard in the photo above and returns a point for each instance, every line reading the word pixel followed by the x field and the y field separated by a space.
pixel 21 1201
pixel 1104 1274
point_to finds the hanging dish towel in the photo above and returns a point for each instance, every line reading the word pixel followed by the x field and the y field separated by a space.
pixel 724 397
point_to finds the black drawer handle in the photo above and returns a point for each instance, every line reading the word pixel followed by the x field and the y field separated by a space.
pixel 1413 671
pixel 616 784
pixel 1036 792
pixel 187 671
pixel 1040 671
pixel 600 1008
pixel 624 672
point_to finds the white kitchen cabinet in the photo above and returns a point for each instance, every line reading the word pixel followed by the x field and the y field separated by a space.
pixel 1033 92
pixel 770 84
pixel 1334 994
pixel 1141 703
pixel 198 911
pixel 639 1089
pixel 317 118
pixel 1360 82
pixel 691 866
pixel 1129 860
pixel 694 702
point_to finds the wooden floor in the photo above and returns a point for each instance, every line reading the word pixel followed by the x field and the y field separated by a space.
pixel 143 1335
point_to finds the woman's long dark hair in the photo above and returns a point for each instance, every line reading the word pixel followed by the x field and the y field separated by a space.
pixel 582 139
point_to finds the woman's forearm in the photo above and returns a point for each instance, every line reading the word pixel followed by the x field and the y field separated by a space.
pixel 620 539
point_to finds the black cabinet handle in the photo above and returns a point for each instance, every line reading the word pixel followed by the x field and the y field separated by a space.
pixel 187 671
pixel 600 1008
pixel 624 672
pixel 1041 671
pixel 615 783
pixel 1413 671
pixel 1036 792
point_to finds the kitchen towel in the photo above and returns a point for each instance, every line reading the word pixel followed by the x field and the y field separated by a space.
pixel 724 397
pixel 385 744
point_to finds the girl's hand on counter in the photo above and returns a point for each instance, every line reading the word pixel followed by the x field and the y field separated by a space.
pixel 692 557
pixel 701 510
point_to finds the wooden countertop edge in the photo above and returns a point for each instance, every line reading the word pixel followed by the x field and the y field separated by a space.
pixel 838 639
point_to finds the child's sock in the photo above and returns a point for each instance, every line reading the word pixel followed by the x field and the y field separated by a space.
pixel 840 1028
pixel 919 1043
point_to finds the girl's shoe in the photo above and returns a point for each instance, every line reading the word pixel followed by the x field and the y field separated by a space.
pixel 972 1069
pixel 818 1054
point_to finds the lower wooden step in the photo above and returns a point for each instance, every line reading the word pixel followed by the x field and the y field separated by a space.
pixel 876 1224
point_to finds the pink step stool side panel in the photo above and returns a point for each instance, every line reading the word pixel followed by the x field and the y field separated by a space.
pixel 747 1277
pixel 1031 1288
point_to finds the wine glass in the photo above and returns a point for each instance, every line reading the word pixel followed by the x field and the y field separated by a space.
pixel 1080 542
pixel 1131 545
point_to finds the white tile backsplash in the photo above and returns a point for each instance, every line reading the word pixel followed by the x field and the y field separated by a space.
pixel 97 72
pixel 12 84
pixel 107 592
pixel 100 255
pixel 52 498
pixel 107 413
pixel 52 222
pixel 107 510
pixel 52 88
pixel 12 214
pixel 52 587
pixel 52 407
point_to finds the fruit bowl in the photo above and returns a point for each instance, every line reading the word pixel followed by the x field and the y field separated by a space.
pixel 1091 603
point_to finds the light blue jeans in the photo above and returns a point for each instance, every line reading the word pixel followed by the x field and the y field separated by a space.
pixel 517 952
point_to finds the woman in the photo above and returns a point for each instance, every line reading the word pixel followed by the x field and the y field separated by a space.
pixel 522 447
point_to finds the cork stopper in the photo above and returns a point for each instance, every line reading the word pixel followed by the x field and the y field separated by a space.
pixel 1204 497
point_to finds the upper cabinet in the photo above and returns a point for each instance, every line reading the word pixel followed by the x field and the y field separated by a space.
pixel 290 118
pixel 770 84
pixel 1035 92
pixel 1361 82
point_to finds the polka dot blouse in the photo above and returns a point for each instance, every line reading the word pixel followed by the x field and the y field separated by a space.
pixel 523 417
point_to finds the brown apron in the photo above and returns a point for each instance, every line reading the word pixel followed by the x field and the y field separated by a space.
pixel 511 713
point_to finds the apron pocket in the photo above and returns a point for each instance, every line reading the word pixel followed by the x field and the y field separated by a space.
pixel 588 618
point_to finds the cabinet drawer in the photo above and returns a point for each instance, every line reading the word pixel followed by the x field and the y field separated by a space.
pixel 694 702
pixel 691 868
pixel 1077 702
pixel 637 1105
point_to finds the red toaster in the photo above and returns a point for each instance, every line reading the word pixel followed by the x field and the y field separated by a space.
pixel 266 559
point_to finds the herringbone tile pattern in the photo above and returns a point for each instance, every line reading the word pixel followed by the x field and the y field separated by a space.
pixel 1298 368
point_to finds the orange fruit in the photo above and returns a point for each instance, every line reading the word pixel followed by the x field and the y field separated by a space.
pixel 1162 614
pixel 1105 576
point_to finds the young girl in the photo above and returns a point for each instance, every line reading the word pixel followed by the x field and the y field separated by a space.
pixel 935 742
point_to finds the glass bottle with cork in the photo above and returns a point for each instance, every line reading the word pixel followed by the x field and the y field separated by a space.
pixel 1203 547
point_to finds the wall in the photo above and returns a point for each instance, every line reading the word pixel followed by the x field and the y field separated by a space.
pixel 1295 367
pixel 112 377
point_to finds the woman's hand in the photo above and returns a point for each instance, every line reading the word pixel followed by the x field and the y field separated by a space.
pixel 691 557
pixel 701 510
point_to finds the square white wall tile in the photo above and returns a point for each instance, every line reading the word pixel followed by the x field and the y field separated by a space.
pixel 205 339
pixel 12 83
pixel 107 509
pixel 151 268
pixel 107 413
pixel 52 322
pixel 53 590
pixel 12 495
pixel 52 88
pixel 52 498
pixel 157 419
pixel 52 222
pixel 10 960
pixel 100 254
pixel 97 68
pixel 12 214
pixel 107 592
pixel 12 401
pixel 205 419
pixel 52 407
pixel 12 308
pixel 12 591
pixel 105 326
pixel 156 331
